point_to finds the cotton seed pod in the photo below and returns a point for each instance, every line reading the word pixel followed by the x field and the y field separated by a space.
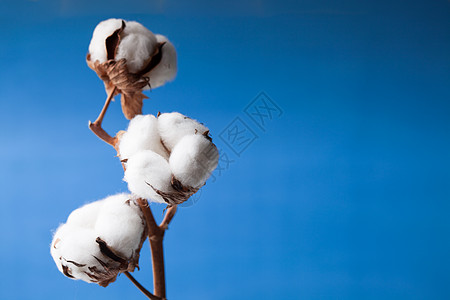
pixel 129 57
pixel 146 173
pixel 193 159
pixel 174 126
pixel 142 134
pixel 100 240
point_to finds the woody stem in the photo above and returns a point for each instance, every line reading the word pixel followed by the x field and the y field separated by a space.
pixel 156 236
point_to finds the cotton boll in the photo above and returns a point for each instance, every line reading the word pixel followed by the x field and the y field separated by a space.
pixel 148 168
pixel 174 126
pixel 74 250
pixel 120 225
pixel 193 159
pixel 137 46
pixel 100 240
pixel 167 68
pixel 142 134
pixel 129 58
pixel 97 47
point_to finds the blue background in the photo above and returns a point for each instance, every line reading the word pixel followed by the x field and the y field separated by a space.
pixel 344 196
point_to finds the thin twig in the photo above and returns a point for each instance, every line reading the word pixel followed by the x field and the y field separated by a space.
pixel 96 127
pixel 102 134
pixel 105 108
pixel 168 217
pixel 141 288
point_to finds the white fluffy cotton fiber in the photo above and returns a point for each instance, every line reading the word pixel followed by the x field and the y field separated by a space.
pixel 166 70
pixel 100 240
pixel 97 47
pixel 174 126
pixel 136 45
pixel 142 134
pixel 146 172
pixel 193 159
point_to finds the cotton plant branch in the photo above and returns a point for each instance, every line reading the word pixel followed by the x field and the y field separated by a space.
pixel 105 107
pixel 155 232
pixel 168 217
pixel 167 158
pixel 96 127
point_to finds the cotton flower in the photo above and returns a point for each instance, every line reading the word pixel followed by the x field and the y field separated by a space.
pixel 193 159
pixel 100 240
pixel 129 57
pixel 174 126
pixel 167 159
pixel 142 134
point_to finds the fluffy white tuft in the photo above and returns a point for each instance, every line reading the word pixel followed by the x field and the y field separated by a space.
pixel 85 216
pixel 97 47
pixel 193 159
pixel 174 126
pixel 142 134
pixel 116 220
pixel 148 168
pixel 166 70
pixel 137 45
pixel 74 249
pixel 120 225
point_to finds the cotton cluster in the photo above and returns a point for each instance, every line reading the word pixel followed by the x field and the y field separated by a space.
pixel 129 58
pixel 167 158
pixel 100 240
pixel 145 53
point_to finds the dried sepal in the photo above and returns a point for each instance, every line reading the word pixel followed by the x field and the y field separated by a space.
pixel 115 74
pixel 113 41
pixel 132 104
pixel 178 194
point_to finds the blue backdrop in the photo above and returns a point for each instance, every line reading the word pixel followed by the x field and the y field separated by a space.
pixel 333 182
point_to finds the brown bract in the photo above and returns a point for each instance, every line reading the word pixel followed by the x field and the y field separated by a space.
pixel 179 195
pixel 117 78
pixel 115 74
